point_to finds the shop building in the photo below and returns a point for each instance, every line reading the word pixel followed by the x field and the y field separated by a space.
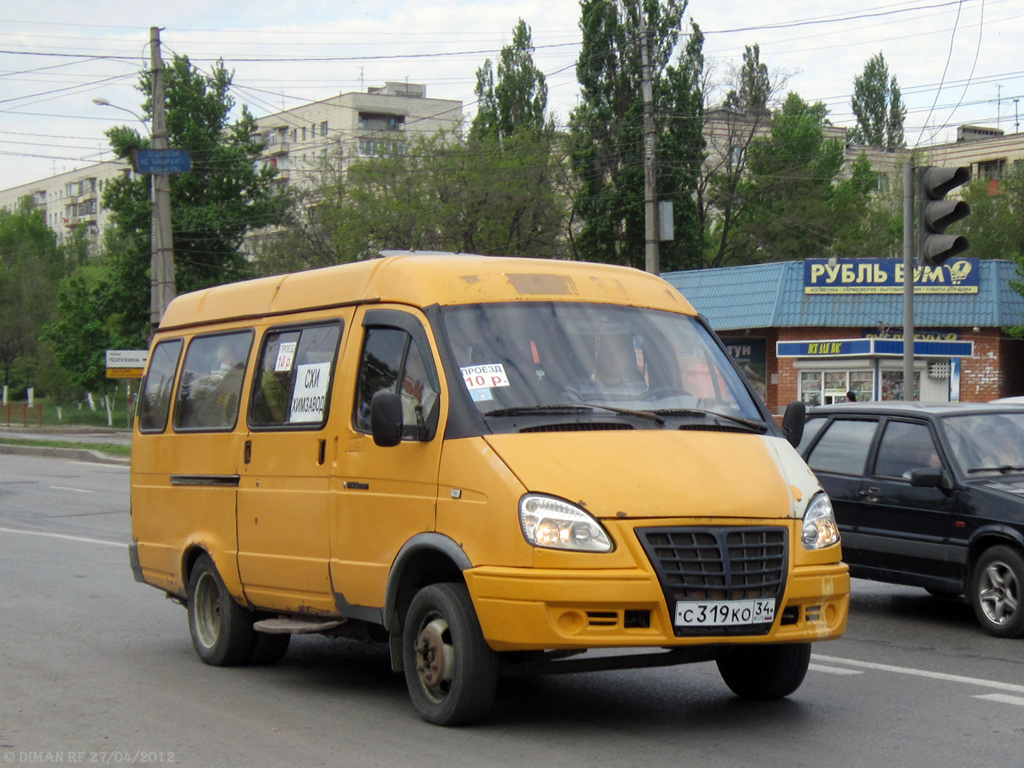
pixel 813 330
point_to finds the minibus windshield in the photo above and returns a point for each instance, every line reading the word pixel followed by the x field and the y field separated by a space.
pixel 530 356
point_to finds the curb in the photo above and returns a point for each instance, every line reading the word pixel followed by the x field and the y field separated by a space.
pixel 82 454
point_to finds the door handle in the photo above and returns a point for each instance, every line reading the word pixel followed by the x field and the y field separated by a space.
pixel 871 494
pixel 247 452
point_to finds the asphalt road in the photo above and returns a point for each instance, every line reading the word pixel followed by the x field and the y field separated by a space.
pixel 95 668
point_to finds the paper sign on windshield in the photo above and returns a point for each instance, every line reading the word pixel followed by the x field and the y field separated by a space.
pixel 484 376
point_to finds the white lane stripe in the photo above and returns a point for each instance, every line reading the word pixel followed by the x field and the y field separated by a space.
pixel 65 537
pixel 834 670
pixel 998 685
pixel 65 488
pixel 1002 698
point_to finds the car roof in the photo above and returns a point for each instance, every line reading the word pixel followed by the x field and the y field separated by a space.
pixel 901 408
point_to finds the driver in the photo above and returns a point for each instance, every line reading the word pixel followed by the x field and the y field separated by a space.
pixel 616 375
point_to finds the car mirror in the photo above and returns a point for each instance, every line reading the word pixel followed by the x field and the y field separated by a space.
pixel 386 419
pixel 793 422
pixel 930 477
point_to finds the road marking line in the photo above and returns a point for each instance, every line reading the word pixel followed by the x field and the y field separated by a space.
pixel 65 536
pixel 1002 698
pixel 65 488
pixel 925 673
pixel 834 670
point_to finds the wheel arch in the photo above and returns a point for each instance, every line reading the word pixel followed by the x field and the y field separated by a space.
pixel 987 537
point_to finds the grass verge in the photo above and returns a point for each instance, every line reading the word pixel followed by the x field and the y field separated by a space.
pixel 114 450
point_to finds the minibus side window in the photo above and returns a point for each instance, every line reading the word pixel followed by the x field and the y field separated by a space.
pixel 292 383
pixel 393 362
pixel 155 402
pixel 211 382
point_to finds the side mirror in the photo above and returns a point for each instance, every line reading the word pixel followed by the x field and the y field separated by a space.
pixel 793 422
pixel 386 419
pixel 930 477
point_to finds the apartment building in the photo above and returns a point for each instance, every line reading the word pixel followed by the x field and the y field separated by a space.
pixel 307 142
pixel 69 200
pixel 303 143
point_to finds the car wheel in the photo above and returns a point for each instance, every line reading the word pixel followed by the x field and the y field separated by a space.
pixel 764 671
pixel 996 591
pixel 451 672
pixel 221 629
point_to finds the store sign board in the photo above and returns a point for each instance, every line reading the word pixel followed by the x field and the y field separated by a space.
pixel 956 276
pixel 871 347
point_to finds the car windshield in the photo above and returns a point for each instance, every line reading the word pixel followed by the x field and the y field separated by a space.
pixel 526 357
pixel 987 442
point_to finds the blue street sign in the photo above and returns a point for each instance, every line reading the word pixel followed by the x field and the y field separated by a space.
pixel 162 161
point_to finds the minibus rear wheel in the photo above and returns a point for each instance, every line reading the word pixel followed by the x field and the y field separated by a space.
pixel 765 671
pixel 221 629
pixel 451 672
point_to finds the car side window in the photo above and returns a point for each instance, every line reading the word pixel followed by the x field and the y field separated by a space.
pixel 811 429
pixel 211 382
pixel 292 383
pixel 392 361
pixel 905 446
pixel 843 448
pixel 155 402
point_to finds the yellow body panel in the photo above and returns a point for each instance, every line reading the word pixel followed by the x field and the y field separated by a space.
pixel 315 518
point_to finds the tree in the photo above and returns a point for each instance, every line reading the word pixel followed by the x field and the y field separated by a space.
pixel 31 267
pixel 214 206
pixel 518 99
pixel 607 138
pixel 744 115
pixel 794 205
pixel 878 107
pixel 995 227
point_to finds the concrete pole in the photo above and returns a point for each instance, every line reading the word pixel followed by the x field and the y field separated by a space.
pixel 908 280
pixel 162 283
pixel 652 255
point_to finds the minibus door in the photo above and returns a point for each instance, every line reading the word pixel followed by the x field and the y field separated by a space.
pixel 388 494
pixel 284 491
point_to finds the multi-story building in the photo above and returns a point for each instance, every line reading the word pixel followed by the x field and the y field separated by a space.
pixel 69 200
pixel 302 143
pixel 306 142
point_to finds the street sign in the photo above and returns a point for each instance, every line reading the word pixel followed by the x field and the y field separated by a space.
pixel 161 161
pixel 126 363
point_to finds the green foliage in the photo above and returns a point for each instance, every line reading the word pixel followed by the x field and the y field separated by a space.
pixel 607 137
pixel 995 227
pixel 31 266
pixel 442 193
pixel 754 88
pixel 213 207
pixel 795 204
pixel 518 99
pixel 878 106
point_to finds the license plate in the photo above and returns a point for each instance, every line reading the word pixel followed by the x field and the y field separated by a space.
pixel 724 613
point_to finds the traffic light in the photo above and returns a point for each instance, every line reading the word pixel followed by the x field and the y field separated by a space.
pixel 935 213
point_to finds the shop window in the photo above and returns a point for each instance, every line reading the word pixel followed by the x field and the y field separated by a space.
pixel 892 385
pixel 830 386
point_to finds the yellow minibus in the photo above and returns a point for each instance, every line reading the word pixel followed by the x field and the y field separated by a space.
pixel 494 465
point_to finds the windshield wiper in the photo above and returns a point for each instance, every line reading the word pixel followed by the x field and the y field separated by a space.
pixel 1004 469
pixel 757 426
pixel 567 408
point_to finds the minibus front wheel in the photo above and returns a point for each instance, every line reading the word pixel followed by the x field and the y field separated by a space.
pixel 221 629
pixel 764 671
pixel 451 672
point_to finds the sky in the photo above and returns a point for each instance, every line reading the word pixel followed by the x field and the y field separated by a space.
pixel 956 61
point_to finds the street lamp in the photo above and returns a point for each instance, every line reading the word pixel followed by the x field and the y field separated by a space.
pixel 102 102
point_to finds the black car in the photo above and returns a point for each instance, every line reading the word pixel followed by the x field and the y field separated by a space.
pixel 930 496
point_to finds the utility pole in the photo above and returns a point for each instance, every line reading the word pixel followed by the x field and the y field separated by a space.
pixel 652 255
pixel 161 268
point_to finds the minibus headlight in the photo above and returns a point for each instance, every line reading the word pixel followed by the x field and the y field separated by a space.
pixel 556 524
pixel 819 528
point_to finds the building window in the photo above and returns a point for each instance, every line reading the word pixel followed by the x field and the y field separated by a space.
pixel 992 169
pixel 371 121
pixel 323 128
pixel 892 385
pixel 830 386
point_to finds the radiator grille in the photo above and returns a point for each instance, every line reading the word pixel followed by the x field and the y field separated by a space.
pixel 718 563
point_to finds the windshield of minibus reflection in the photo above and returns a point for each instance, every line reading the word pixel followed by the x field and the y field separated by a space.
pixel 543 354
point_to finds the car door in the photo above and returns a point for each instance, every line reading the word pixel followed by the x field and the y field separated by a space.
pixel 905 529
pixel 839 458
pixel 387 495
pixel 284 490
